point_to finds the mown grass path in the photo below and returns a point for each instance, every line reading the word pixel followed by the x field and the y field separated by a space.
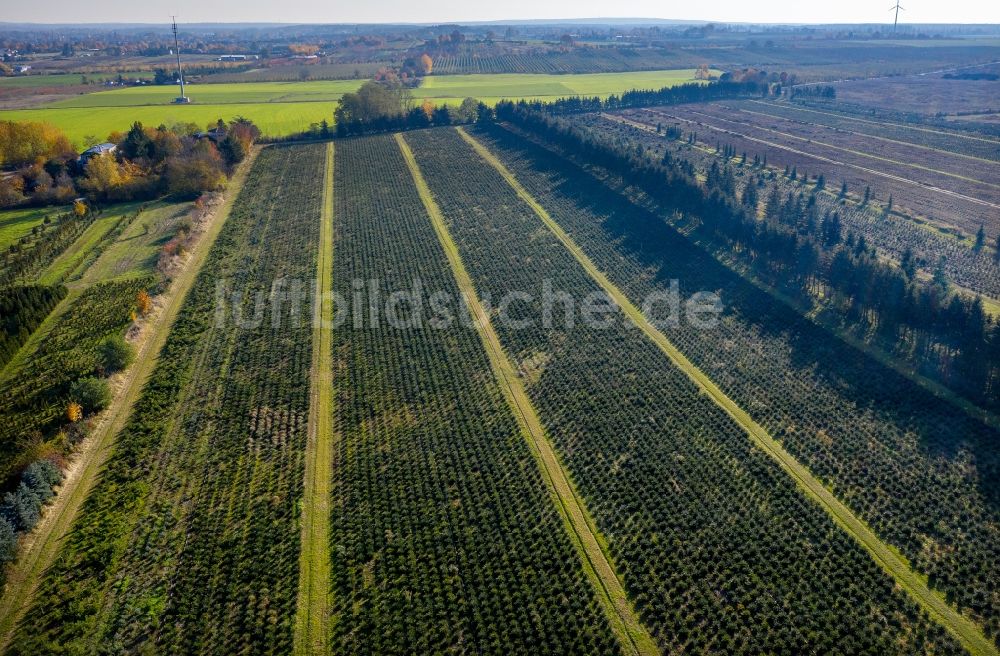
pixel 313 605
pixel 633 636
pixel 40 548
pixel 964 629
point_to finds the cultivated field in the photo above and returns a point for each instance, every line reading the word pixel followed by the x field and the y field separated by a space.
pixel 974 146
pixel 435 493
pixel 774 483
pixel 600 377
pixel 92 270
pixel 597 60
pixel 86 126
pixel 19 223
pixel 809 59
pixel 891 235
pixel 920 472
pixel 928 94
pixel 293 73
pixel 490 487
pixel 202 540
pixel 549 87
pixel 939 185
pixel 631 422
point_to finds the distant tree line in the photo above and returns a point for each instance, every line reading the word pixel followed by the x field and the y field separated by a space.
pixel 388 106
pixel 990 77
pixel 804 254
pixel 168 76
pixel 826 92
pixel 683 93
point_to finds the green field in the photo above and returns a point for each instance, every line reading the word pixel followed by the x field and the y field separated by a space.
pixel 274 119
pixel 526 85
pixel 135 252
pixel 282 108
pixel 73 260
pixel 64 79
pixel 29 81
pixel 15 224
pixel 216 94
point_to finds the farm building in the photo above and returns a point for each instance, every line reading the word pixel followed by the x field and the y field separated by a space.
pixel 93 151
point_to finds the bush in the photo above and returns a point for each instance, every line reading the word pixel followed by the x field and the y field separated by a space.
pixel 116 354
pixel 41 476
pixel 8 541
pixel 21 508
pixel 196 171
pixel 92 393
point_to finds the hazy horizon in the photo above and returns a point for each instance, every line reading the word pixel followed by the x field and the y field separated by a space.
pixel 855 12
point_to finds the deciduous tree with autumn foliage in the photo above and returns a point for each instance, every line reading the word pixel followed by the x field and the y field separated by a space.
pixel 148 162
pixel 144 303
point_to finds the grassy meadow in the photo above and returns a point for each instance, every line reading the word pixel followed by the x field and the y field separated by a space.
pixel 135 252
pixel 18 223
pixel 282 108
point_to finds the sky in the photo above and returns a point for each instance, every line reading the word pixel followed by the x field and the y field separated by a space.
pixel 436 11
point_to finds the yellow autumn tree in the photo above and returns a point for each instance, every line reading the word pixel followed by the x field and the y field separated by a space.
pixel 304 49
pixel 702 73
pixel 426 63
pixel 11 191
pixel 79 207
pixel 103 175
pixel 144 303
pixel 74 412
pixel 428 108
pixel 27 142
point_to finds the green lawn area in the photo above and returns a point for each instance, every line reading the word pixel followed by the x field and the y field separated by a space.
pixel 15 224
pixel 281 108
pixel 74 260
pixel 135 252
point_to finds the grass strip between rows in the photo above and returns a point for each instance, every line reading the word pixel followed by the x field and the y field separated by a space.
pixel 965 630
pixel 632 635
pixel 311 634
